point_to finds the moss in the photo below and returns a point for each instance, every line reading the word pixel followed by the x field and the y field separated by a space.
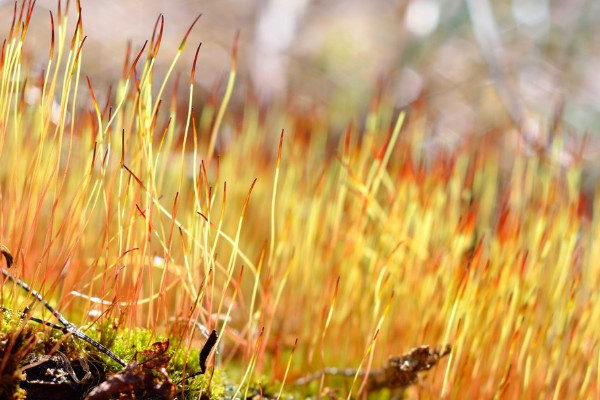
pixel 126 344
pixel 32 341
pixel 199 386
pixel 11 377
pixel 24 342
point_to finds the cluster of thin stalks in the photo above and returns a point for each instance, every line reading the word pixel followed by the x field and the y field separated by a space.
pixel 345 247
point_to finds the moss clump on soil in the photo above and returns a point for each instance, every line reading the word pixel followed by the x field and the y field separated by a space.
pixel 11 374
pixel 29 347
pixel 128 345
pixel 23 347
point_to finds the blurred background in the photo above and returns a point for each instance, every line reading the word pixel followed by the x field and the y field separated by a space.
pixel 478 65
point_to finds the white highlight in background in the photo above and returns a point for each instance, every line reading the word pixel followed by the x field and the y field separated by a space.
pixel 422 16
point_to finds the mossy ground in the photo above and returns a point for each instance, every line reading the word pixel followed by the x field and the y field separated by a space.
pixel 29 342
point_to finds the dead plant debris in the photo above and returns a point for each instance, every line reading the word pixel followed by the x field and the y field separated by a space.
pixel 147 379
pixel 398 372
pixel 402 371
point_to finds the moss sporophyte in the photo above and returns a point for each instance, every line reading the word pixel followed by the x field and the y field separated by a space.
pixel 168 243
